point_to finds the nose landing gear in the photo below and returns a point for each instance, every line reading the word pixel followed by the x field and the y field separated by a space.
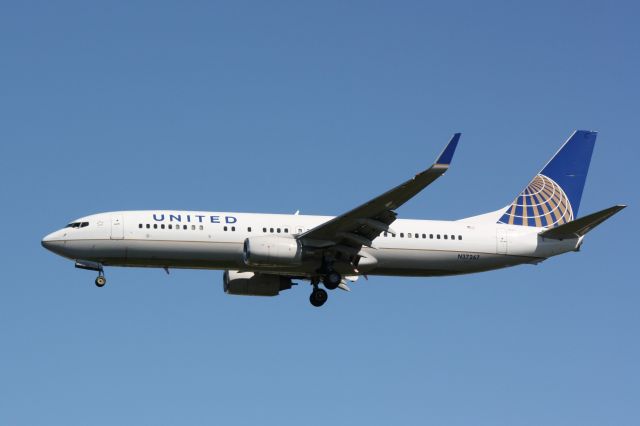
pixel 93 266
pixel 101 280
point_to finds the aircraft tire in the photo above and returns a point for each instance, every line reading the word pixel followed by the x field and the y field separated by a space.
pixel 332 280
pixel 318 297
pixel 101 281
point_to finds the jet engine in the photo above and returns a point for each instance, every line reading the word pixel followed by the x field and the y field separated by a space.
pixel 252 284
pixel 272 251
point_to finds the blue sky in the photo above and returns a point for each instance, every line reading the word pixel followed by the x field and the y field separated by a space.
pixel 317 106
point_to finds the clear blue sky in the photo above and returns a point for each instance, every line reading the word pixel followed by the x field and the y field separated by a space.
pixel 317 106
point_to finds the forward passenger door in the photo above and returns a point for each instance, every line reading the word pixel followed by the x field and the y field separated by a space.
pixel 117 227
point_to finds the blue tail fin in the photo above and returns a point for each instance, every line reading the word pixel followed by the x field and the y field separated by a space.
pixel 553 196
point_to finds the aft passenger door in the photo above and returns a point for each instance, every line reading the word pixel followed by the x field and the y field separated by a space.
pixel 117 227
pixel 502 241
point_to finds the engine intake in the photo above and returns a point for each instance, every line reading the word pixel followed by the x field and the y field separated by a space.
pixel 251 284
pixel 272 251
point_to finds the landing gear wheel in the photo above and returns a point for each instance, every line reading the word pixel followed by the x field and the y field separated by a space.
pixel 318 297
pixel 101 281
pixel 332 280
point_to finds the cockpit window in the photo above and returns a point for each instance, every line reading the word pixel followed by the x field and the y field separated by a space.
pixel 77 225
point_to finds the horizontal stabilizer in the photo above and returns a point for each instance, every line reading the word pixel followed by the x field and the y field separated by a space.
pixel 579 227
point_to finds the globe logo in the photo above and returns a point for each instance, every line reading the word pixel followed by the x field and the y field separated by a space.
pixel 543 203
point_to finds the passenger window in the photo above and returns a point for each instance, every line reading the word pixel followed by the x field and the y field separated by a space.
pixel 162 226
pixel 201 227
pixel 424 236
pixel 155 226
pixel 278 230
pixel 453 237
pixel 148 226
pixel 271 230
pixel 409 235
pixel 264 230
pixel 446 236
pixel 417 236
pixel 184 227
pixel 225 228
pixel 233 228
pixel 385 233
pixel 286 230
pixel 249 229
pixel 438 236
pixel 402 235
pixel 431 236
pixel 459 237
pixel 393 235
pixel 193 227
pixel 170 226
pixel 139 225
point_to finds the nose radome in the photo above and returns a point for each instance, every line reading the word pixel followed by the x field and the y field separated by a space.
pixel 47 241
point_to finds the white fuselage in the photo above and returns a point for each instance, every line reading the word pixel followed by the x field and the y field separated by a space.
pixel 214 240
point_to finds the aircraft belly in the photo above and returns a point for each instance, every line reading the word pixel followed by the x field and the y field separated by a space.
pixel 439 262
pixel 228 255
pixel 186 254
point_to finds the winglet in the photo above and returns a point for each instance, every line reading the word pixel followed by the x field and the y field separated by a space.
pixel 447 155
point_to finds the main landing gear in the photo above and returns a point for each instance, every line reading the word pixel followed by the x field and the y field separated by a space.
pixel 318 297
pixel 331 281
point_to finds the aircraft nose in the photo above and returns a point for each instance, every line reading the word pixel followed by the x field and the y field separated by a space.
pixel 54 242
pixel 47 241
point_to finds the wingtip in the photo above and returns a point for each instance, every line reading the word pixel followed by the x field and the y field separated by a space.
pixel 447 154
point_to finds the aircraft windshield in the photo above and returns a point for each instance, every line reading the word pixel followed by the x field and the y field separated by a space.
pixel 77 225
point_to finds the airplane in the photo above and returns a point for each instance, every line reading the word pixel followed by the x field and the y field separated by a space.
pixel 262 254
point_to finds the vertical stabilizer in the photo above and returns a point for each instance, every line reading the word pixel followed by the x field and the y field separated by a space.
pixel 552 198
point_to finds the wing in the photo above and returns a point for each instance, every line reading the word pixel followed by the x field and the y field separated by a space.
pixel 360 226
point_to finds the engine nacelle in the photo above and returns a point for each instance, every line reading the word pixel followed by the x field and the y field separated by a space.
pixel 251 284
pixel 270 250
